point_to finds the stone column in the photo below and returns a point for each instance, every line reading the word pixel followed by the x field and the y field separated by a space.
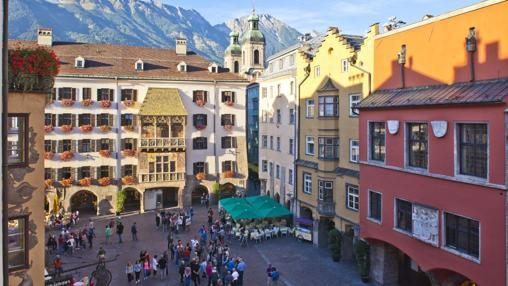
pixel 141 201
pixel 384 264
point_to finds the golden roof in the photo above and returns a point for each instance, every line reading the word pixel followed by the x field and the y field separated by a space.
pixel 163 102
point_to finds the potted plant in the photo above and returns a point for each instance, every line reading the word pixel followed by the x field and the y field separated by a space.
pixel 335 244
pixel 200 102
pixel 128 128
pixel 106 103
pixel 361 249
pixel 128 103
pixel 66 155
pixel 228 127
pixel 67 102
pixel 66 182
pixel 32 69
pixel 49 155
pixel 105 153
pixel 104 181
pixel 86 102
pixel 127 180
pixel 66 128
pixel 229 102
pixel 200 176
pixel 200 126
pixel 48 183
pixel 228 174
pixel 87 128
pixel 85 182
pixel 129 152
pixel 48 128
pixel 104 128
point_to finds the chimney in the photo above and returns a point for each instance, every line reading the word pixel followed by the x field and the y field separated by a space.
pixel 181 46
pixel 45 37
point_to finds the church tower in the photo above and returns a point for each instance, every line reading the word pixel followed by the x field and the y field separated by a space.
pixel 253 48
pixel 233 54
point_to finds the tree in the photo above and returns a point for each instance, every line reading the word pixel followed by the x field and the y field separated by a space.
pixel 361 249
pixel 335 244
pixel 120 201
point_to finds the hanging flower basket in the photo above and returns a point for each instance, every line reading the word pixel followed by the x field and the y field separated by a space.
pixel 85 182
pixel 86 128
pixel 228 127
pixel 229 103
pixel 105 103
pixel 128 103
pixel 200 176
pixel 32 69
pixel 48 128
pixel 66 128
pixel 228 174
pixel 67 102
pixel 129 152
pixel 200 126
pixel 49 155
pixel 105 128
pixel 129 128
pixel 105 153
pixel 86 102
pixel 48 183
pixel 66 155
pixel 104 181
pixel 128 180
pixel 66 183
pixel 200 102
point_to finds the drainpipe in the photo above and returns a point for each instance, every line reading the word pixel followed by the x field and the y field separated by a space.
pixel 297 135
pixel 118 124
pixel 352 61
pixel 215 110
pixel 5 37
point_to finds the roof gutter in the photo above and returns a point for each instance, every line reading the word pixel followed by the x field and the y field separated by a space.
pixel 149 78
pixel 5 37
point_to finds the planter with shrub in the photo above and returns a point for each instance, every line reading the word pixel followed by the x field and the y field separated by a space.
pixel 335 244
pixel 361 249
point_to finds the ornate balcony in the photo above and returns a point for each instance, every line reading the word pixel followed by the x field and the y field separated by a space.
pixel 161 177
pixel 326 208
pixel 163 143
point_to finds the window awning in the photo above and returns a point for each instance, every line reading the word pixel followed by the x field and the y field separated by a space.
pixel 163 102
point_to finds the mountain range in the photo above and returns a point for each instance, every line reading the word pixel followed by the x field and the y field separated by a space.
pixel 138 23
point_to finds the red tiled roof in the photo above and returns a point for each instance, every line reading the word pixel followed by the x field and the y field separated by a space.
pixel 479 92
pixel 104 60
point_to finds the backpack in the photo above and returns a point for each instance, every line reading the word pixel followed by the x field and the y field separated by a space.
pixel 275 276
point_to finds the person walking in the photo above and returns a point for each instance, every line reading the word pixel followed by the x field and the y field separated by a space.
pixel 129 270
pixel 155 266
pixel 57 264
pixel 275 277
pixel 146 268
pixel 107 233
pixel 162 267
pixel 241 268
pixel 187 276
pixel 90 235
pixel 181 270
pixel 134 232
pixel 137 270
pixel 269 271
pixel 119 231
pixel 157 221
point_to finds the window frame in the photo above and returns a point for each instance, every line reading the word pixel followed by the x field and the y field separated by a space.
pixel 408 140
pixel 458 153
pixel 369 208
pixel 264 141
pixel 322 188
pixel 371 143
pixel 264 166
pixel 278 144
pixel 322 148
pixel 458 251
pixel 24 147
pixel 344 65
pixel 291 144
pixel 232 140
pixel 323 104
pixel 353 103
pixel 357 196
pixel 291 177
pixel 309 108
pixel 396 213
pixel 351 147
pixel 307 146
pixel 26 250
pixel 307 183
pixel 198 167
pixel 199 143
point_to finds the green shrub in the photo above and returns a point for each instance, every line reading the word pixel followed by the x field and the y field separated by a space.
pixel 335 244
pixel 361 249
pixel 32 69
pixel 120 201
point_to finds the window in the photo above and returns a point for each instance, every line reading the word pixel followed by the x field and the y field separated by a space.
pixel 277 171
pixel 200 120
pixel 375 206
pixel 227 119
pixel 473 144
pixel 17 139
pixel 228 96
pixel 48 173
pixel 328 106
pixel 264 141
pixel 66 145
pixel 354 151
pixel 49 119
pixel 103 171
pixel 200 143
pixel 228 142
pixel 328 148
pixel 84 119
pixel 307 183
pixel 84 172
pixel 271 142
pixel 127 119
pixel 292 87
pixel 291 146
pixel 105 94
pixel 200 95
pixel 291 60
pixel 129 94
pixel 87 93
pixel 67 93
pixel 271 169
pixel 279 116
pixel 65 119
pixel 65 173
pixel 309 145
pixel 162 164
pixel 228 166
pixel 317 71
pixel 281 64
pixel 17 243
pixel 290 177
pixel 309 110
pixel 344 63
pixel 264 92
pixel 129 170
pixel 354 99
pixel 325 191
pixel 103 119
pixel 377 134
pixel 353 197
pixel 105 144
pixel 462 234
pixel 292 116
pixel 79 63
pixel 139 66
pixel 85 146
pixel 256 57
pixel 278 90
pixel 417 134
pixel 199 167
pixel 404 215
pixel 129 144
pixel 278 144
pixel 264 166
pixel 48 146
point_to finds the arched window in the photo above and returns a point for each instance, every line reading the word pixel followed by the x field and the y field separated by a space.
pixel 237 67
pixel 256 57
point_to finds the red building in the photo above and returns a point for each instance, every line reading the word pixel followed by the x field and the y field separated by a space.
pixel 433 141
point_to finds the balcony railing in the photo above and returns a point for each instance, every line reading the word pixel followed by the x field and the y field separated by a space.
pixel 325 208
pixel 162 142
pixel 161 177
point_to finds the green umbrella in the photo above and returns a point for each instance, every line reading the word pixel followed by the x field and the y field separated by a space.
pixel 275 211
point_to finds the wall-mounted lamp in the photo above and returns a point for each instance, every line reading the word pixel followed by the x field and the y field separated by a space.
pixel 401 59
pixel 471 47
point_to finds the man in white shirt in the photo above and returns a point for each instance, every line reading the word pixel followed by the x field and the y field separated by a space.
pixel 235 275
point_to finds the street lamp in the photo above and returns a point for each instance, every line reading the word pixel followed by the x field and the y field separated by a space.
pixel 471 46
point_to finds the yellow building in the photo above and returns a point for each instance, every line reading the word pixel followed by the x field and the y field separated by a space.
pixel 331 79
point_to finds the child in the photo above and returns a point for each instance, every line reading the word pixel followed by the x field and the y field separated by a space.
pixel 129 270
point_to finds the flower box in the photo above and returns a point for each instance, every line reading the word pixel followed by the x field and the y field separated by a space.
pixel 105 128
pixel 86 102
pixel 105 153
pixel 85 182
pixel 104 181
pixel 105 103
pixel 229 103
pixel 129 152
pixel 200 102
pixel 86 128
pixel 228 174
pixel 32 69
pixel 48 128
pixel 67 102
pixel 48 183
pixel 129 103
pixel 66 155
pixel 200 176
pixel 228 127
pixel 66 183
pixel 128 128
pixel 128 180
pixel 66 128
pixel 200 126
pixel 49 155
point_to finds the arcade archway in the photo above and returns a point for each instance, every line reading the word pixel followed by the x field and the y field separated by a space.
pixel 197 194
pixel 132 200
pixel 84 201
pixel 227 190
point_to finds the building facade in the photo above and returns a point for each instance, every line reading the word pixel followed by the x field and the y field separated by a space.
pixel 433 151
pixel 252 131
pixel 157 126
pixel 332 80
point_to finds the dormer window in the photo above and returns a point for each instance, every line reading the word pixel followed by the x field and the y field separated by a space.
pixel 139 65
pixel 79 62
pixel 182 67
pixel 213 68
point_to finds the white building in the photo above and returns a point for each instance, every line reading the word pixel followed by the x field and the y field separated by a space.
pixel 160 125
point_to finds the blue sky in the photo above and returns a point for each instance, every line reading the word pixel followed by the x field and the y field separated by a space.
pixel 351 16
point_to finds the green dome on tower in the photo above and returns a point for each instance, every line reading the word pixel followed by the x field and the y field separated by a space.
pixel 234 48
pixel 253 34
